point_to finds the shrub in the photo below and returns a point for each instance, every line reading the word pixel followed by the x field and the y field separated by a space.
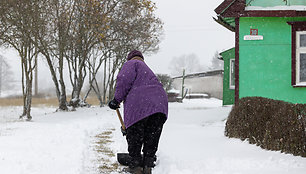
pixel 166 80
pixel 270 124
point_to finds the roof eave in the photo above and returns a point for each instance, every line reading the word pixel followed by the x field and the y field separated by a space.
pixel 224 23
pixel 224 6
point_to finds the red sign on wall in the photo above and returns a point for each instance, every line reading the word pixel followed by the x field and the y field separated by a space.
pixel 253 32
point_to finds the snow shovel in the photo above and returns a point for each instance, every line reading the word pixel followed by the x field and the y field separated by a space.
pixel 123 129
pixel 123 158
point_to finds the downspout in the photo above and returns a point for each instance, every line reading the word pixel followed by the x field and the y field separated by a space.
pixel 237 61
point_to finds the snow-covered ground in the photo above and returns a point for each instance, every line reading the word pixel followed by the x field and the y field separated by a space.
pixel 192 142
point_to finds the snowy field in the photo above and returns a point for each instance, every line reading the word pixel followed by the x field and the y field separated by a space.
pixel 192 142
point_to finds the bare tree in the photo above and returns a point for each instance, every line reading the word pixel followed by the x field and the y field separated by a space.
pixel 92 23
pixel 94 64
pixel 6 75
pixel 216 64
pixel 87 35
pixel 135 27
pixel 190 63
pixel 53 41
pixel 166 80
pixel 19 19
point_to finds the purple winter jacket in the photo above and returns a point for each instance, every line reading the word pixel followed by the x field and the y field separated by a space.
pixel 142 93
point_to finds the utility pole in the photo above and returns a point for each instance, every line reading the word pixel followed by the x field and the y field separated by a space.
pixel 183 79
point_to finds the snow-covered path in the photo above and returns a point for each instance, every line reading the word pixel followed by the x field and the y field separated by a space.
pixel 192 142
pixel 53 143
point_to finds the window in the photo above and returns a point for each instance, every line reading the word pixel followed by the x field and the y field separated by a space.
pixel 232 74
pixel 298 63
pixel 301 58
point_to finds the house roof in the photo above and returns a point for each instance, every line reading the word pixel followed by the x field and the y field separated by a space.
pixel 276 8
pixel 239 8
pixel 278 4
pixel 228 10
pixel 224 52
pixel 228 23
pixel 227 50
pixel 223 6
pixel 202 74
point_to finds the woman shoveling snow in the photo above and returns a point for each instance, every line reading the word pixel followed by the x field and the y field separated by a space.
pixel 145 111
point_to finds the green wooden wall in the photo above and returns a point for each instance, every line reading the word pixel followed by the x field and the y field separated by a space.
pixel 228 94
pixel 272 3
pixel 265 65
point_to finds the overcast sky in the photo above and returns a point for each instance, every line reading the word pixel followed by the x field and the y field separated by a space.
pixel 189 28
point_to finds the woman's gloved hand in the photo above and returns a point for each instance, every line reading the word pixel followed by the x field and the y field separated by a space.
pixel 124 132
pixel 113 104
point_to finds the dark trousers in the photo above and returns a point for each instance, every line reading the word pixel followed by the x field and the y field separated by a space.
pixel 145 133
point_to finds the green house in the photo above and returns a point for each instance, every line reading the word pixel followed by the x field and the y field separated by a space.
pixel 228 57
pixel 270 47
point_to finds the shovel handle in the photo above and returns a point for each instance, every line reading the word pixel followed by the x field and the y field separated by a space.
pixel 120 118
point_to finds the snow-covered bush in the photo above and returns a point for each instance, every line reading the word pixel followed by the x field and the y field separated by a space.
pixel 270 124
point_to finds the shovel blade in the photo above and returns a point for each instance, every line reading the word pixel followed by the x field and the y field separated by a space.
pixel 124 158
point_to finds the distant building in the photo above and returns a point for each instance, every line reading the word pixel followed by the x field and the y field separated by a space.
pixel 270 47
pixel 228 57
pixel 210 83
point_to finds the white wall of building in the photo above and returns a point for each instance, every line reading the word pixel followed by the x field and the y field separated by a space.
pixel 212 85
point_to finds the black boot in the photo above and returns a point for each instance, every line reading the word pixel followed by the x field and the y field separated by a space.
pixel 135 170
pixel 135 166
pixel 148 163
pixel 147 170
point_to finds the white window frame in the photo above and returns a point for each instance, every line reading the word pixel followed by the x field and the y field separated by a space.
pixel 231 69
pixel 299 50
